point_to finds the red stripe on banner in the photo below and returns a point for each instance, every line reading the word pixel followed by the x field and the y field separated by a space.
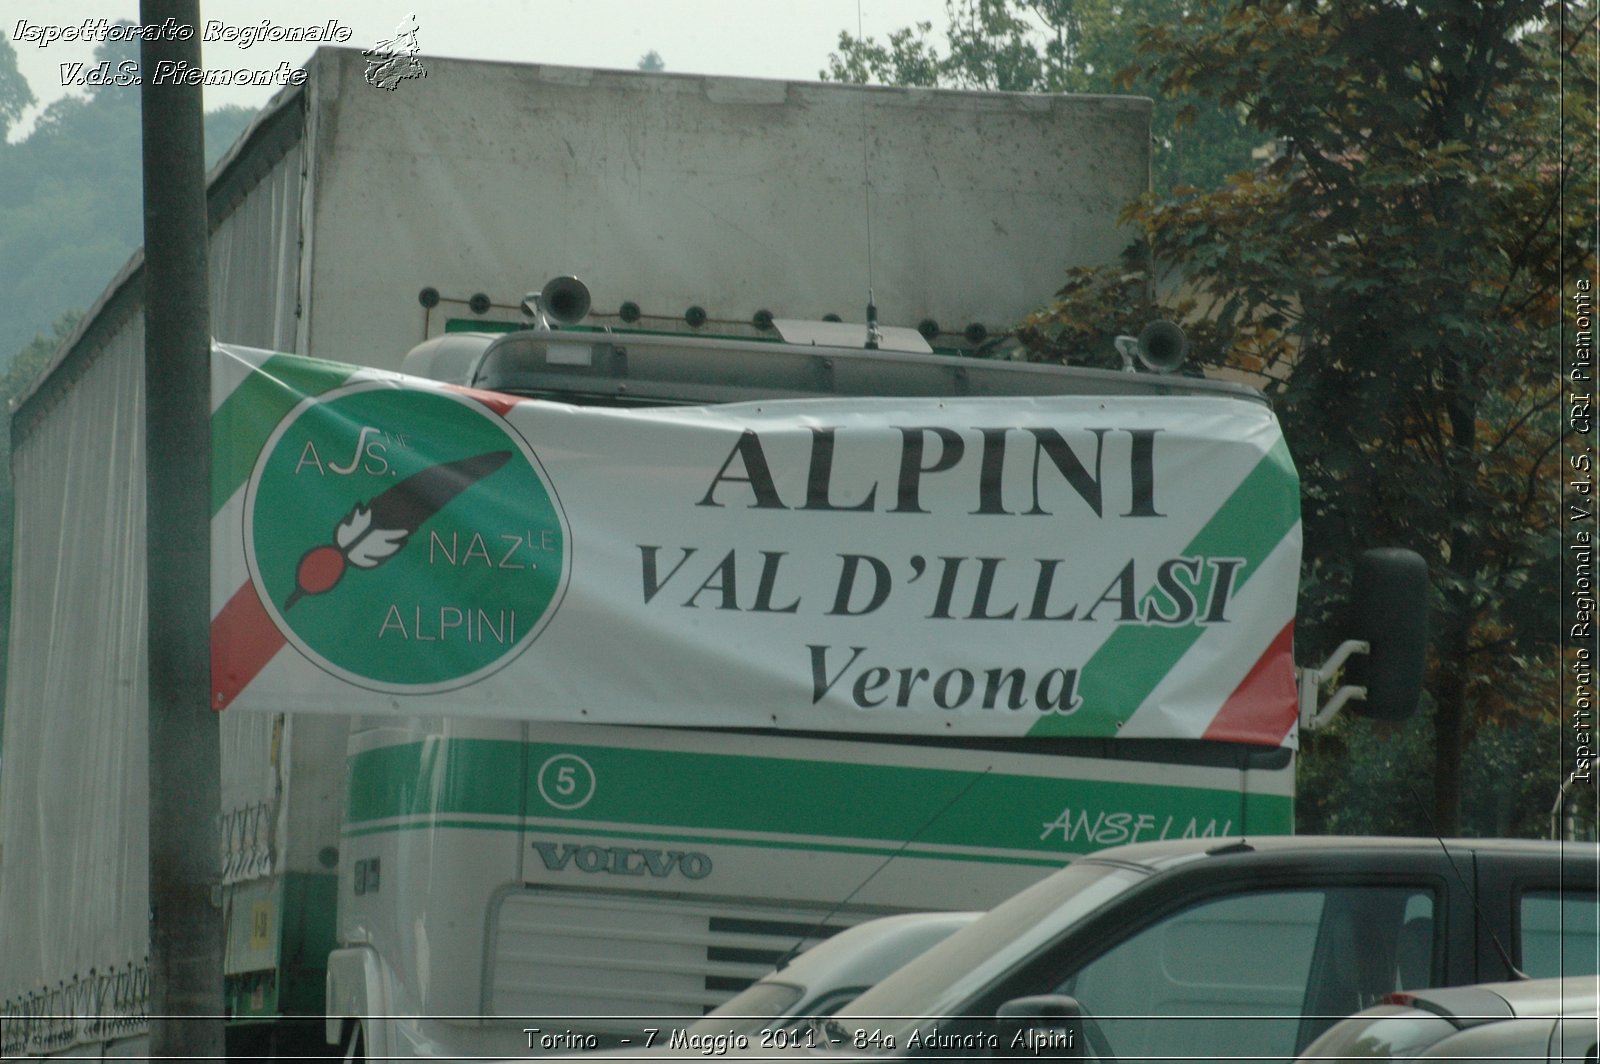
pixel 500 404
pixel 243 640
pixel 1264 706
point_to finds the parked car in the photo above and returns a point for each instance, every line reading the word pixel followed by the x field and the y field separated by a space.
pixel 1231 948
pixel 1552 1020
pixel 831 973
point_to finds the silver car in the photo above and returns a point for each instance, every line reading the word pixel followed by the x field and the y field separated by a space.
pixel 1550 1020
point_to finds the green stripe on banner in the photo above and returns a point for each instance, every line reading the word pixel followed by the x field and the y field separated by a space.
pixel 1117 679
pixel 674 791
pixel 241 425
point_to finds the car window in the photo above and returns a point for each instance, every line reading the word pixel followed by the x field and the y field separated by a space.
pixel 938 981
pixel 1239 976
pixel 827 1004
pixel 1559 933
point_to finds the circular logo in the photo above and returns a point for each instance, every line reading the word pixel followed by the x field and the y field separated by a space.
pixel 566 781
pixel 407 541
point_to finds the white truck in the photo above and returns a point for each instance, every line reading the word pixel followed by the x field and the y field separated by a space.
pixel 740 640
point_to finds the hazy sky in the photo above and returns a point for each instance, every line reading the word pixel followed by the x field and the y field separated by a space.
pixel 787 39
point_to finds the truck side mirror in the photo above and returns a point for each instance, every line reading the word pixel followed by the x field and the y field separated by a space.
pixel 1044 1025
pixel 1391 614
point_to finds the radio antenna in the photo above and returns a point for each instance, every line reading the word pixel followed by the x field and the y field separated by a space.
pixel 1505 954
pixel 783 962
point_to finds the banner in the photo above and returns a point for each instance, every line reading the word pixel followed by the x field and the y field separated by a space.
pixel 1074 566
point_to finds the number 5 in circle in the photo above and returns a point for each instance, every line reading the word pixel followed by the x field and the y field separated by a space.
pixel 566 781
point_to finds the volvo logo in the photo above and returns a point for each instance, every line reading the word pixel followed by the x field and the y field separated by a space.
pixel 622 861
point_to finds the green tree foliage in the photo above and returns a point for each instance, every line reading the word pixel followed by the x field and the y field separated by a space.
pixel 15 95
pixel 1395 273
pixel 71 193
pixel 1363 777
pixel 1086 46
pixel 652 62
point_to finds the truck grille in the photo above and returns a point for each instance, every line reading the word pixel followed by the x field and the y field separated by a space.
pixel 558 954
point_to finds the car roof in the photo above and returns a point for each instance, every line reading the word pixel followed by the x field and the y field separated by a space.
pixel 1155 856
pixel 1577 995
pixel 863 954
pixel 1488 1021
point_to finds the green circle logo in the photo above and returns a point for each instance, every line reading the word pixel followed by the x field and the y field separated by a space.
pixel 407 541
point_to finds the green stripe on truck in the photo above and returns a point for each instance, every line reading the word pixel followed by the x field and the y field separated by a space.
pixel 831 804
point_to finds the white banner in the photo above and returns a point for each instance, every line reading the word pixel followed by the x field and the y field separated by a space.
pixel 916 566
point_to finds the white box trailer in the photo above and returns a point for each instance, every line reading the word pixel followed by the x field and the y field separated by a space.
pixel 341 204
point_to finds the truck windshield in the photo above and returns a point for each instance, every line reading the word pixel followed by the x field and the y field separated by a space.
pixel 940 980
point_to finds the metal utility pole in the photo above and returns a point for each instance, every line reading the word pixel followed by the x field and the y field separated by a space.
pixel 186 1000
